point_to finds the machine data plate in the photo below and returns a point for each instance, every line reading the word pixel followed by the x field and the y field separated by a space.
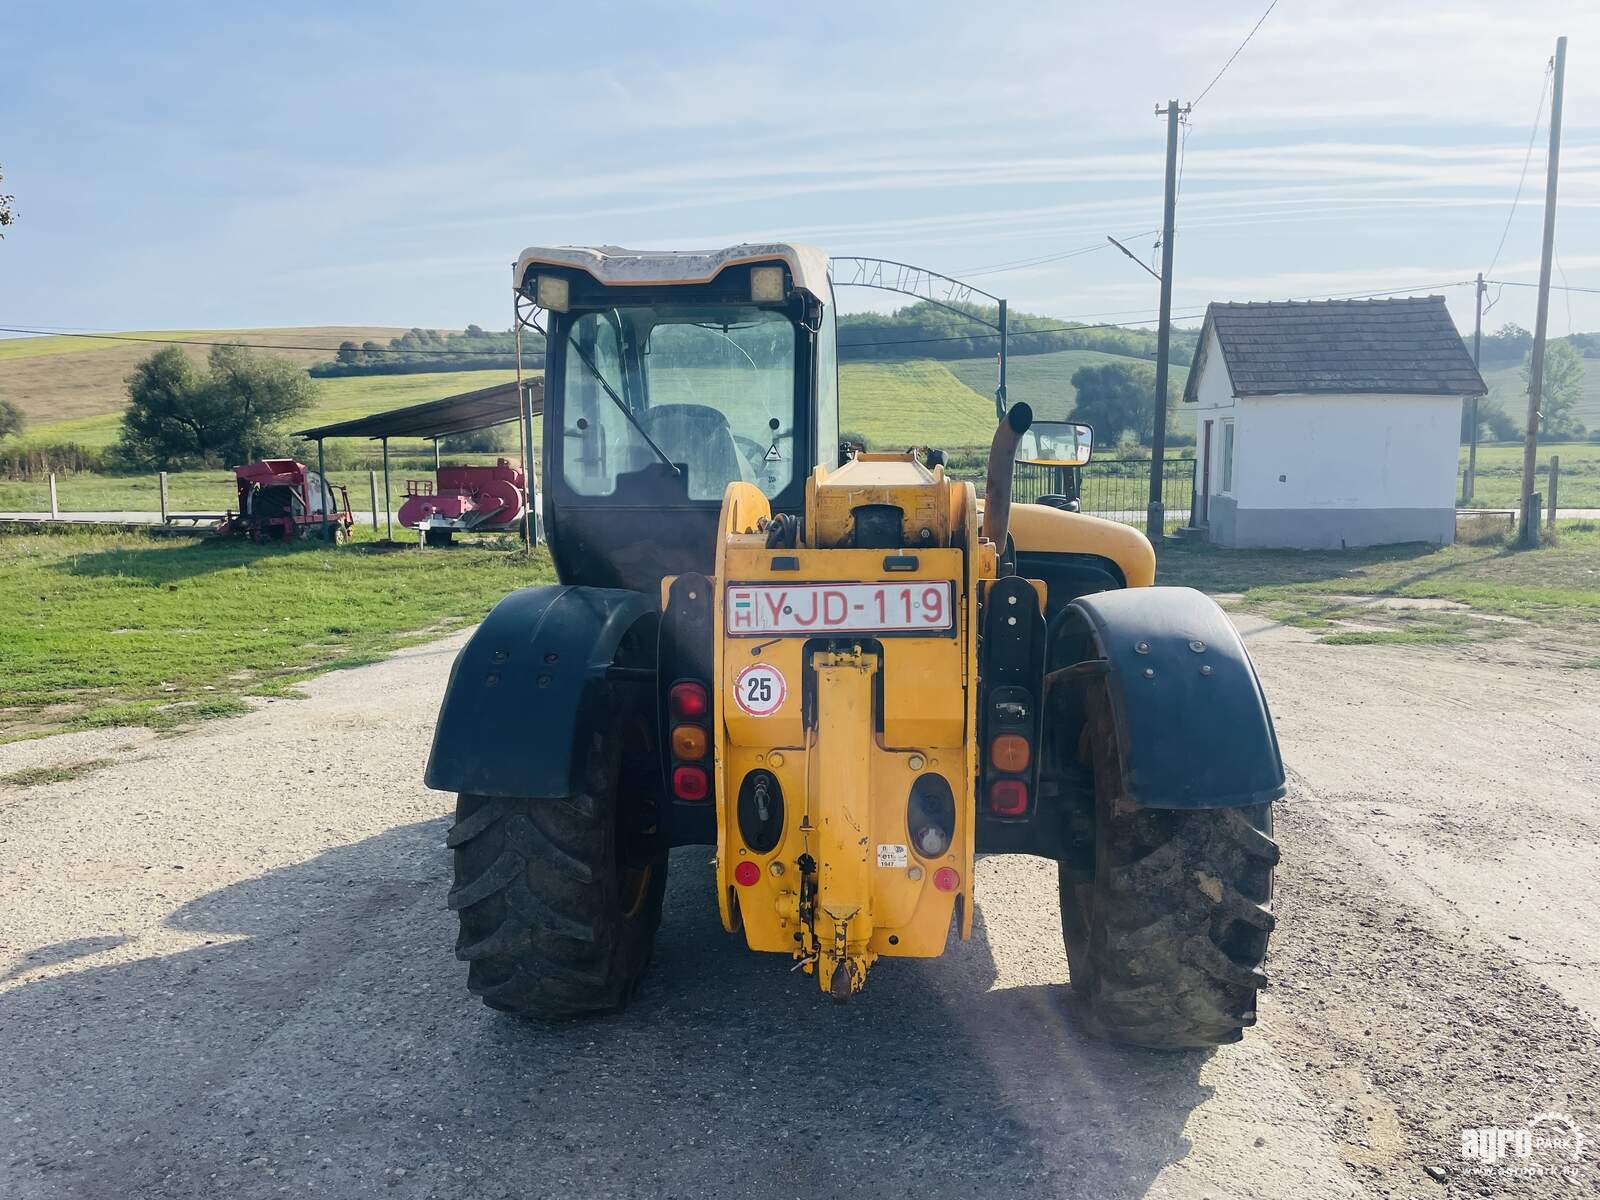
pixel 914 606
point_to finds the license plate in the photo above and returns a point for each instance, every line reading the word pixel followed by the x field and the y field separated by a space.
pixel 918 606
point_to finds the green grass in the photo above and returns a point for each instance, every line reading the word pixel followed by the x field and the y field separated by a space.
pixel 895 405
pixel 121 629
pixel 1554 589
pixel 36 347
pixel 1499 480
pixel 205 491
pixel 340 399
pixel 64 773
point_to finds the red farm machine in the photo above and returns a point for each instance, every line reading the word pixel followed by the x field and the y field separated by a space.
pixel 280 499
pixel 465 499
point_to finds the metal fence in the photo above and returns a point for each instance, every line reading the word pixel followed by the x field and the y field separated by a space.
pixel 1116 488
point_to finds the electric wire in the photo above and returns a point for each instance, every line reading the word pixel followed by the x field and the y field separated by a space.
pixel 1533 136
pixel 1234 55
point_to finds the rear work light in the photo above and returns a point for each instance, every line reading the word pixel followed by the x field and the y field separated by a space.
pixel 690 783
pixel 688 701
pixel 1008 797
pixel 689 741
pixel 1009 752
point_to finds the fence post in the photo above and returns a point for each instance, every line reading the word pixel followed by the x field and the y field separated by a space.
pixel 1555 478
pixel 55 509
pixel 372 484
pixel 163 487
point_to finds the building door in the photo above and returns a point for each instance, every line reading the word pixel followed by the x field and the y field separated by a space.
pixel 1205 476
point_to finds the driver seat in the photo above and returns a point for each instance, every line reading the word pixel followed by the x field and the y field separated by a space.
pixel 699 438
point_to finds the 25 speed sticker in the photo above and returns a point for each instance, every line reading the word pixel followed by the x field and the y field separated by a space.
pixel 760 690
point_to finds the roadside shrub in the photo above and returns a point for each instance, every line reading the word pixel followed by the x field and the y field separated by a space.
pixel 29 461
pixel 1485 530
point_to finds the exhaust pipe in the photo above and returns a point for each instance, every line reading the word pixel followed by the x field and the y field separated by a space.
pixel 997 486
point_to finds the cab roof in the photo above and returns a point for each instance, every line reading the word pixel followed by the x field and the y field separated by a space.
pixel 614 265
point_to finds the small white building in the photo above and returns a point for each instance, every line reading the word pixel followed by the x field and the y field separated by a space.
pixel 1330 423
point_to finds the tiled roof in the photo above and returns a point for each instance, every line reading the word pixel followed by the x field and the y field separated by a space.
pixel 1406 346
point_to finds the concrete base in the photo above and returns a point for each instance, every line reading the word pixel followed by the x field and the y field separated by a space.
pixel 1326 528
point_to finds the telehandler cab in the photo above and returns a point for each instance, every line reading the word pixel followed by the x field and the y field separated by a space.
pixel 843 672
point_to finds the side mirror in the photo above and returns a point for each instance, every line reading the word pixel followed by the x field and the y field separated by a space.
pixel 1056 444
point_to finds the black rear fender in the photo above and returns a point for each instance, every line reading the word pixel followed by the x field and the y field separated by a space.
pixel 1168 675
pixel 548 668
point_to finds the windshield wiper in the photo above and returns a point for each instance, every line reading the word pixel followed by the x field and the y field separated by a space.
pixel 622 406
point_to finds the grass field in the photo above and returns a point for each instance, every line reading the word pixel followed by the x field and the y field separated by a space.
pixel 1499 482
pixel 1471 591
pixel 57 379
pixel 338 400
pixel 1044 381
pixel 1508 389
pixel 99 629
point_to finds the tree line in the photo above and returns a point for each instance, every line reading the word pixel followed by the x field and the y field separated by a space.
pixel 928 330
pixel 422 350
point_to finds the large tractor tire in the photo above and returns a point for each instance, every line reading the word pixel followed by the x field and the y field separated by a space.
pixel 559 899
pixel 1167 938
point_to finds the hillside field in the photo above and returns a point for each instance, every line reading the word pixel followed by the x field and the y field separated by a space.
pixel 1508 389
pixel 58 379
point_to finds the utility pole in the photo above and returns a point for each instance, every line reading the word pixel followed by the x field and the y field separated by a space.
pixel 1530 445
pixel 1472 438
pixel 1155 517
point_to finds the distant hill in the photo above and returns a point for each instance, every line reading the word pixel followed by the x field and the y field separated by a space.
pixel 1509 390
pixel 64 378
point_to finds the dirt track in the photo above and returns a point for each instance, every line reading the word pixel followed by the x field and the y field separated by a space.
pixel 225 969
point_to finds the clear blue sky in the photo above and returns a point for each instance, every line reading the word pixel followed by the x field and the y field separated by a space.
pixel 297 164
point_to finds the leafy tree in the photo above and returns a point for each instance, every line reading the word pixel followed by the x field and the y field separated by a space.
pixel 497 439
pixel 1117 399
pixel 232 411
pixel 1494 423
pixel 11 419
pixel 349 354
pixel 1560 388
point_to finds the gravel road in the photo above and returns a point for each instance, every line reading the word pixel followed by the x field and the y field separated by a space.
pixel 226 970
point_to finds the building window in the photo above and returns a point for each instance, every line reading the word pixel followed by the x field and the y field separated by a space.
pixel 1227 458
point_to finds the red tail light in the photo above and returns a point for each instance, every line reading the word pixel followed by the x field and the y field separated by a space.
pixel 746 874
pixel 688 701
pixel 1008 797
pixel 690 783
pixel 946 880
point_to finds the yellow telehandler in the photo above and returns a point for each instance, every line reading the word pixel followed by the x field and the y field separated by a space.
pixel 843 671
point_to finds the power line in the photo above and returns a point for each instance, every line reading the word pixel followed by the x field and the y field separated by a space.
pixel 1018 264
pixel 1234 55
pixel 1533 136
pixel 1081 328
pixel 69 331
pixel 1554 287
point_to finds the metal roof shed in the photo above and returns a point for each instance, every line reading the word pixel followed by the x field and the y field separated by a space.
pixel 435 419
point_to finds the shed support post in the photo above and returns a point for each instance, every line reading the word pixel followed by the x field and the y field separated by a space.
pixel 322 487
pixel 161 480
pixel 531 485
pixel 55 508
pixel 388 518
pixel 1555 479
pixel 372 486
pixel 435 456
